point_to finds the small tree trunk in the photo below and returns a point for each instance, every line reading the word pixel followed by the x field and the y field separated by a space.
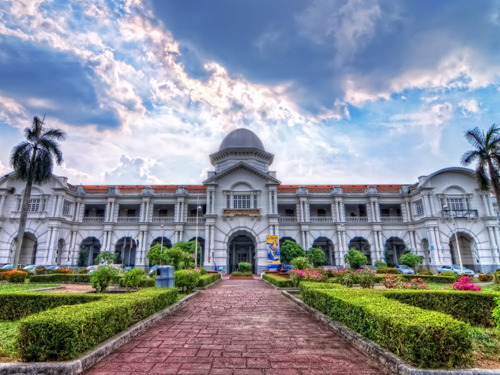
pixel 494 182
pixel 22 223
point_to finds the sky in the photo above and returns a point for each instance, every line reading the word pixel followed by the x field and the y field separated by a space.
pixel 341 91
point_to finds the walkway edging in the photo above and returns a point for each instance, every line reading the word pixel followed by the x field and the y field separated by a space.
pixel 89 358
pixel 378 353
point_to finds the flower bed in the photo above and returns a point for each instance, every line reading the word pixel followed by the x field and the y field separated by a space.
pixel 424 338
pixel 278 281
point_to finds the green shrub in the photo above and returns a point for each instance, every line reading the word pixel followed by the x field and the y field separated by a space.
pixel 132 278
pixel 278 281
pixel 347 278
pixel 380 264
pixel 177 258
pixel 432 279
pixel 203 271
pixel 208 278
pixel 61 278
pixel 300 263
pixel 102 277
pixel 290 250
pixel 365 278
pixel 449 274
pixel 15 276
pixel 316 256
pixel 497 277
pixel 423 338
pixel 186 280
pixel 425 272
pixel 356 258
pixel 388 270
pixel 245 267
pixel 485 277
pixel 496 313
pixel 15 306
pixel 241 274
pixel 473 308
pixel 67 331
pixel 105 257
pixel 410 260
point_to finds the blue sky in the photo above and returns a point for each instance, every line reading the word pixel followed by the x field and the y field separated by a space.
pixel 341 91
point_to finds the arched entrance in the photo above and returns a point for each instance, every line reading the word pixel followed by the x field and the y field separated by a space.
pixel 90 248
pixel 394 248
pixel 28 249
pixel 361 244
pixel 467 250
pixel 125 250
pixel 327 245
pixel 241 248
pixel 166 242
pixel 201 247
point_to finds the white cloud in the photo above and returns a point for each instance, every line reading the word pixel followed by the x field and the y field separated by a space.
pixel 132 171
pixel 469 106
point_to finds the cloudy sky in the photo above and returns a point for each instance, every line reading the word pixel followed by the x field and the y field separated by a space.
pixel 341 91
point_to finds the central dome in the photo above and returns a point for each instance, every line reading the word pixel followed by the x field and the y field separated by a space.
pixel 241 138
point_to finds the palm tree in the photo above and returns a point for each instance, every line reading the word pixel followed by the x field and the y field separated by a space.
pixel 32 161
pixel 487 154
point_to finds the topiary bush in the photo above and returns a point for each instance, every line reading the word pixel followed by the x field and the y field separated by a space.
pixel 245 267
pixel 132 279
pixel 300 263
pixel 102 277
pixel 208 279
pixel 410 260
pixel 15 276
pixel 380 264
pixel 186 280
pixel 278 281
pixel 356 258
pixel 290 250
pixel 316 256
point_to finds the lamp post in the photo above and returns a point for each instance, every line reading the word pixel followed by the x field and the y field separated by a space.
pixel 198 208
pixel 456 238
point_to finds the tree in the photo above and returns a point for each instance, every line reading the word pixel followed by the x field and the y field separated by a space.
pixel 290 250
pixel 487 154
pixel 316 256
pixel 105 257
pixel 33 162
pixel 155 255
pixel 356 258
pixel 410 260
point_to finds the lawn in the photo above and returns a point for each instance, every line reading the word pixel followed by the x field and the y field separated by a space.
pixel 9 288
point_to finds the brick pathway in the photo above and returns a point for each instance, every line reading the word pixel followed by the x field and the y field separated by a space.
pixel 238 328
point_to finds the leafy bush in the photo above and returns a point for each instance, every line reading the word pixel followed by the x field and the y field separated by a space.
pixel 485 277
pixel 388 270
pixel 15 276
pixel 365 277
pixel 449 274
pixel 347 278
pixel 241 274
pixel 296 276
pixel 424 338
pixel 356 258
pixel 392 281
pixel 83 271
pixel 203 271
pixel 465 283
pixel 380 264
pixel 61 270
pixel 102 277
pixel 316 256
pixel 290 250
pixel 207 279
pixel 177 258
pixel 186 280
pixel 132 278
pixel 245 267
pixel 496 313
pixel 278 281
pixel 425 272
pixel 155 255
pixel 300 263
pixel 67 331
pixel 105 257
pixel 431 279
pixel 410 260
pixel 473 308
pixel 497 277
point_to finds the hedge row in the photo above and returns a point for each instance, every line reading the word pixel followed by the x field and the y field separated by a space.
pixel 14 306
pixel 278 281
pixel 208 279
pixel 431 279
pixel 82 279
pixel 471 307
pixel 424 338
pixel 67 331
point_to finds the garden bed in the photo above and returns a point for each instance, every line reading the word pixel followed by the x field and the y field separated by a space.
pixel 231 277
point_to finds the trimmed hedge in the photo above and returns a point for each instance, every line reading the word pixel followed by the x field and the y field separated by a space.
pixel 278 281
pixel 424 338
pixel 471 307
pixel 82 279
pixel 14 306
pixel 208 279
pixel 431 279
pixel 67 331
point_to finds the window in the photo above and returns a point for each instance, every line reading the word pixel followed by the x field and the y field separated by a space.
pixel 255 204
pixel 228 201
pixel 241 201
pixel 419 207
pixel 289 212
pixel 321 212
pixel 454 204
pixel 34 205
pixel 67 205
pixel 163 212
pixel 130 213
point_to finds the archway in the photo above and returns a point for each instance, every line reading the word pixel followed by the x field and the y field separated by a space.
pixel 166 242
pixel 394 248
pixel 467 250
pixel 28 249
pixel 201 248
pixel 424 244
pixel 241 248
pixel 361 244
pixel 60 248
pixel 125 250
pixel 89 250
pixel 327 245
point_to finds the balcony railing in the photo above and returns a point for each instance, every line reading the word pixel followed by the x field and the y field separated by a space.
pixel 321 219
pixel 93 219
pixel 392 219
pixel 192 220
pixel 459 213
pixel 162 219
pixel 356 219
pixel 127 220
pixel 287 220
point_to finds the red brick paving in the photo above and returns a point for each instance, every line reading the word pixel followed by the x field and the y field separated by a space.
pixel 238 328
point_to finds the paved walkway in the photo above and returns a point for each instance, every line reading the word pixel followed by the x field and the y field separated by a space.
pixel 238 328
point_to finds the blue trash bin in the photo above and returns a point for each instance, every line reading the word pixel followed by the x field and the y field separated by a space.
pixel 165 277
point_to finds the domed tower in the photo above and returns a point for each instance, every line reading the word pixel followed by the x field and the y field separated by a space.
pixel 241 145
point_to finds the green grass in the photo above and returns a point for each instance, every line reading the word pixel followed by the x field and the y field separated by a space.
pixel 8 337
pixel 486 345
pixel 9 288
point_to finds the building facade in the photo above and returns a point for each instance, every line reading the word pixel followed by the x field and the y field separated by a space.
pixel 240 203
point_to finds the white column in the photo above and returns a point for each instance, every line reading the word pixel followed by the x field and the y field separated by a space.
pixel 212 240
pixel 377 211
pixel 54 207
pixel 408 211
pixel 275 206
pixel 342 211
pixel 52 244
pixel 332 209
pixel 270 202
pixel 59 207
pixel 209 205
pixel 213 202
pixel 206 257
pixel 2 202
pixel 496 232
pixel 429 205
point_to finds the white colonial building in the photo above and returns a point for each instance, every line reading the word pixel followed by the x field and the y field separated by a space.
pixel 242 202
